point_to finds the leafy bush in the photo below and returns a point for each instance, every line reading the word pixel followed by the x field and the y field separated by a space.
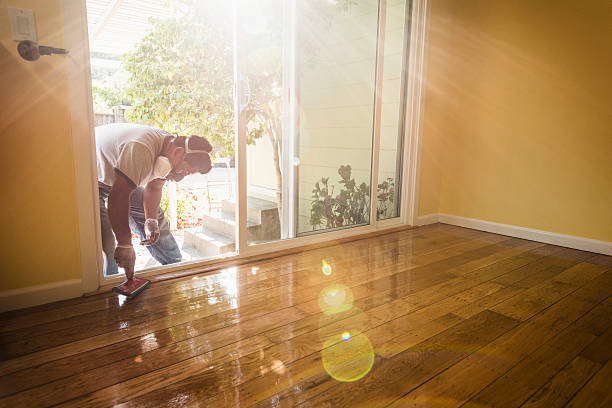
pixel 349 207
pixel 352 205
pixel 189 208
pixel 386 198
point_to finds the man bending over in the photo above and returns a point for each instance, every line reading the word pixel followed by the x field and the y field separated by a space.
pixel 134 162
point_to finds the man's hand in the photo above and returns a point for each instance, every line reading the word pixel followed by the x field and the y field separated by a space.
pixel 151 227
pixel 126 259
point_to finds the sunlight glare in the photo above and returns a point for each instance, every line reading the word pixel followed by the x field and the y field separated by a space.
pixel 348 360
pixel 326 268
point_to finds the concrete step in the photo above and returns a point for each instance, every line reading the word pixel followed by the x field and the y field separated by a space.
pixel 206 243
pixel 256 208
pixel 224 224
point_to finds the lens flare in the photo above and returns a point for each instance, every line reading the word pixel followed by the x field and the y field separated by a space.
pixel 348 360
pixel 335 299
pixel 326 268
pixel 352 321
pixel 346 336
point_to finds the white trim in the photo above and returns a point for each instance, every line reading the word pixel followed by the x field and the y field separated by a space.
pixel 401 124
pixel 569 241
pixel 240 134
pixel 289 124
pixel 419 28
pixel 81 114
pixel 376 122
pixel 389 222
pixel 39 294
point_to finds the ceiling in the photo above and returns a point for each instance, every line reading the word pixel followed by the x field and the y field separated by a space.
pixel 116 25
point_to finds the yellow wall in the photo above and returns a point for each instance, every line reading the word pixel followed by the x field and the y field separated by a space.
pixel 39 215
pixel 518 114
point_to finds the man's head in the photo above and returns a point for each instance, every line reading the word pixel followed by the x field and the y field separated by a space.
pixel 188 155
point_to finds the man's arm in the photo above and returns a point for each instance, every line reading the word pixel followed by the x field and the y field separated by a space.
pixel 119 208
pixel 151 198
pixel 119 214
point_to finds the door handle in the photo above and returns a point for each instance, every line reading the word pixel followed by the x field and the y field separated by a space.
pixel 31 51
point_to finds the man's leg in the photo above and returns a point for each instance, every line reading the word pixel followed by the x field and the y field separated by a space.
pixel 165 250
pixel 108 237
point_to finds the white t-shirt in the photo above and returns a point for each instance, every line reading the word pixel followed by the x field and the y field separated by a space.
pixel 129 148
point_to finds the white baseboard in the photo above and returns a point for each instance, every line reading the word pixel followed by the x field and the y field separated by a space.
pixel 427 219
pixel 40 294
pixel 569 241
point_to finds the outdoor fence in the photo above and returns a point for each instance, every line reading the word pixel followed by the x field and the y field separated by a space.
pixel 105 118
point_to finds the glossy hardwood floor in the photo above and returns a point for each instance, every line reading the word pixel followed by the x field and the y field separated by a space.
pixel 437 316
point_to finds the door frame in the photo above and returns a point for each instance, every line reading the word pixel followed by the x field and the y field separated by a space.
pixel 78 71
pixel 81 107
pixel 415 103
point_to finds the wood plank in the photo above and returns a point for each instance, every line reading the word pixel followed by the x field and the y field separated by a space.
pixel 465 379
pixel 534 300
pixel 600 351
pixel 596 393
pixel 560 388
pixel 536 368
pixel 524 379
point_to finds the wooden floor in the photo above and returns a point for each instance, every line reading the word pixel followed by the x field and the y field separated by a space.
pixel 434 316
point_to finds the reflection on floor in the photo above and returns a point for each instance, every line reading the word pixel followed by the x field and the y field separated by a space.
pixel 432 316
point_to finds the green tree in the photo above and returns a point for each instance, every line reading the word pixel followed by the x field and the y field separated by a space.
pixel 181 74
pixel 181 78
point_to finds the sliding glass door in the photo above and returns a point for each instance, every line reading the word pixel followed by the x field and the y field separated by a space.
pixel 308 82
pixel 303 101
pixel 307 78
pixel 335 72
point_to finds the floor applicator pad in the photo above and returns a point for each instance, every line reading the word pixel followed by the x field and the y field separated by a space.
pixel 132 287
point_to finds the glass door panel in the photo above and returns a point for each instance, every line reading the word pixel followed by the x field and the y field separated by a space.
pixel 335 75
pixel 169 65
pixel 392 113
pixel 262 27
